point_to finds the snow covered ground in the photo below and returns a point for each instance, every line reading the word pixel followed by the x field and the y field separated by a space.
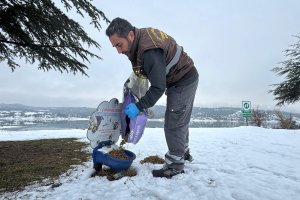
pixel 244 163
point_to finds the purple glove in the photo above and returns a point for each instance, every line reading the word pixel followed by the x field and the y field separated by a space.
pixel 132 111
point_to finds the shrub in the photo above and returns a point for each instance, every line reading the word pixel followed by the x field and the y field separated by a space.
pixel 286 122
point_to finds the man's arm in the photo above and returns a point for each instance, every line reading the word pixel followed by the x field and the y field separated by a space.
pixel 154 66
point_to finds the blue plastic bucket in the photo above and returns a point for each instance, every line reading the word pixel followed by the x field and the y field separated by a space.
pixel 112 162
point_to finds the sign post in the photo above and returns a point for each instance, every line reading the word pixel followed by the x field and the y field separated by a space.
pixel 246 110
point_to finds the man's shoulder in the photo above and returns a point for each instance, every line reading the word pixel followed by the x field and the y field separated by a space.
pixel 150 29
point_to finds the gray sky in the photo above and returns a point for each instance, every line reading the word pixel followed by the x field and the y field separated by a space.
pixel 234 45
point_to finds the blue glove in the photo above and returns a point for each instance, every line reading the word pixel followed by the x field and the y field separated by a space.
pixel 132 111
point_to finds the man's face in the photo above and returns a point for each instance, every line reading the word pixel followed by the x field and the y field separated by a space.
pixel 123 45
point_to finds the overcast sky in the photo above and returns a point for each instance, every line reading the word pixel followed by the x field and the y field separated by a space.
pixel 234 45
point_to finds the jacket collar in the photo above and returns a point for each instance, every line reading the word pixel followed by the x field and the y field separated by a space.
pixel 133 51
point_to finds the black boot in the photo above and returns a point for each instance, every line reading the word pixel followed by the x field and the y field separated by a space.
pixel 188 156
pixel 166 172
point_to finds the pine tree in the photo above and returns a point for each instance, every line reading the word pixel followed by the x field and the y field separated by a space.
pixel 288 91
pixel 38 31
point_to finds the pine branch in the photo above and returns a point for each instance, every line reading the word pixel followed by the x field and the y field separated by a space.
pixel 36 29
pixel 288 91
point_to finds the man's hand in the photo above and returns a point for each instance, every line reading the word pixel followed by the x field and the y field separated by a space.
pixel 132 111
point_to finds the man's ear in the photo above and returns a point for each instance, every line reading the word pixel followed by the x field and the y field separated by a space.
pixel 131 36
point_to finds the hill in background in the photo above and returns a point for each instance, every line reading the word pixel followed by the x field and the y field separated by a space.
pixel 22 117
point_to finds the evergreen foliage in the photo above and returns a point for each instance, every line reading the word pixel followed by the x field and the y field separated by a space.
pixel 288 91
pixel 37 30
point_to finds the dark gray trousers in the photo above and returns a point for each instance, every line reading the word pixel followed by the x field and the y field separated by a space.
pixel 180 101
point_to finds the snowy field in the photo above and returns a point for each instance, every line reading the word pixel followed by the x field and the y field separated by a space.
pixel 244 163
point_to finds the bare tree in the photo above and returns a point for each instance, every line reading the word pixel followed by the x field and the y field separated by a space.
pixel 285 122
pixel 257 117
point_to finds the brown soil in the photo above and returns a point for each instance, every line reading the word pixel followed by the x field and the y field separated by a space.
pixel 153 160
pixel 122 143
pixel 118 153
pixel 113 175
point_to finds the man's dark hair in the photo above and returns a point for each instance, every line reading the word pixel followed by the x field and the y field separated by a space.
pixel 119 26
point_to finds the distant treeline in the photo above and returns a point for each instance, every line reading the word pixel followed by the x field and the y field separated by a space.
pixel 17 116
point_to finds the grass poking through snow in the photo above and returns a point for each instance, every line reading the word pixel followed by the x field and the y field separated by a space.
pixel 25 162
